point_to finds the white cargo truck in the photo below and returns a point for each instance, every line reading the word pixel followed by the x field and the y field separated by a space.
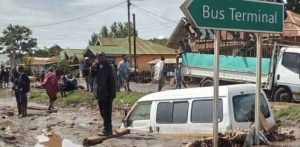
pixel 280 73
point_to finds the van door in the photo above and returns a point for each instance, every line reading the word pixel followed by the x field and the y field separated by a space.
pixel 172 117
pixel 201 120
pixel 139 117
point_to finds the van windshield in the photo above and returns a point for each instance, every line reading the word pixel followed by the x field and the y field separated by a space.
pixel 140 112
pixel 243 105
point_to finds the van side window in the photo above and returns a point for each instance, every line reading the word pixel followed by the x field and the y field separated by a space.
pixel 202 111
pixel 176 112
pixel 243 104
pixel 140 112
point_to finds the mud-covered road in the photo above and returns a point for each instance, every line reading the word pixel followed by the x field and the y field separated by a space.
pixel 71 126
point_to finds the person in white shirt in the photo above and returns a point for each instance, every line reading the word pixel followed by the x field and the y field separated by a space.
pixel 123 73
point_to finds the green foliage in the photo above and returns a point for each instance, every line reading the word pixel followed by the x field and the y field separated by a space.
pixel 159 41
pixel 79 96
pixel 19 38
pixel 288 113
pixel 93 40
pixel 27 62
pixel 129 98
pixel 293 5
pixel 63 67
pixel 117 30
pixel 48 52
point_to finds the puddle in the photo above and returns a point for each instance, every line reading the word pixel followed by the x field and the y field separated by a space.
pixel 54 141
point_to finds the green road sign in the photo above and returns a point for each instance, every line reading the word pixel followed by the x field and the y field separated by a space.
pixel 236 15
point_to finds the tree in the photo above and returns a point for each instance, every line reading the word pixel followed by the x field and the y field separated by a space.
pixel 54 50
pixel 47 52
pixel 41 53
pixel 27 60
pixel 293 5
pixel 159 41
pixel 63 67
pixel 19 38
pixel 117 30
pixel 94 38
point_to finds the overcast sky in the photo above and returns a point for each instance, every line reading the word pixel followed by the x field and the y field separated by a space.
pixel 76 34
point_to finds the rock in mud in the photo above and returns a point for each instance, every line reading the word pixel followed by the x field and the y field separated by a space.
pixel 10 113
pixel 33 128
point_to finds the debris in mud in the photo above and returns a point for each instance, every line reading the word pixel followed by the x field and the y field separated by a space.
pixel 33 128
pixel 37 108
pixel 236 138
pixel 93 140
pixel 54 141
pixel 10 113
pixel 48 131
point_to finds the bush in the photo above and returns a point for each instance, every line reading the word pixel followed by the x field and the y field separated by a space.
pixel 63 67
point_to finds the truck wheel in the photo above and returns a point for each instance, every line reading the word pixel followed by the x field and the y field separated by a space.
pixel 207 82
pixel 281 95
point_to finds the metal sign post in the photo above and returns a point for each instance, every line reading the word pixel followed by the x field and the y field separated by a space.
pixel 258 88
pixel 216 88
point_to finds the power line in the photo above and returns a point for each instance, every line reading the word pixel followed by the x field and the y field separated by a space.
pixel 151 17
pixel 156 25
pixel 50 24
pixel 152 13
pixel 157 29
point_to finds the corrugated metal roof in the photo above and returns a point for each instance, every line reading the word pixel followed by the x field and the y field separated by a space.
pixel 110 41
pixel 109 50
pixel 71 52
pixel 146 47
pixel 44 61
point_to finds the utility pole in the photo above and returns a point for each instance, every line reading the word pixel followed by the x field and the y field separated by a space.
pixel 134 44
pixel 129 39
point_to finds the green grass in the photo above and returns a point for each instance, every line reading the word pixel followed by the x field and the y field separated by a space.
pixel 129 98
pixel 78 96
pixel 288 113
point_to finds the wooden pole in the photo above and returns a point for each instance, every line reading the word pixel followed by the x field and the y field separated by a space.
pixel 134 44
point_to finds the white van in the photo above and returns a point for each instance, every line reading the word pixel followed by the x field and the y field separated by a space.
pixel 189 112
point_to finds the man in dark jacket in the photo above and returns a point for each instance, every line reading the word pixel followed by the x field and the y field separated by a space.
pixel 24 88
pixel 86 72
pixel 15 81
pixel 105 88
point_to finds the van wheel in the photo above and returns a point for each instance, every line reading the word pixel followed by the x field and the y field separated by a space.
pixel 207 82
pixel 281 95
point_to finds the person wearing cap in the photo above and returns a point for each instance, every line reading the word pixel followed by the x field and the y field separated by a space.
pixel 86 72
pixel 105 90
pixel 123 69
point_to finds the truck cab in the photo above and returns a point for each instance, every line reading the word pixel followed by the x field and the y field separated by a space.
pixel 287 75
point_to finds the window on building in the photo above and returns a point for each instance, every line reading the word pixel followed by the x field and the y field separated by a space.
pixel 202 111
pixel 243 106
pixel 172 112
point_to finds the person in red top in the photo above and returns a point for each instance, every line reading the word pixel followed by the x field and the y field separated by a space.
pixel 50 84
